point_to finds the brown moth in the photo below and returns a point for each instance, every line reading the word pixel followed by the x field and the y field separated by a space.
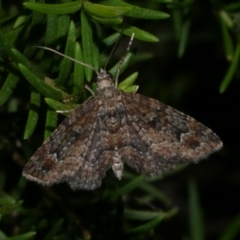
pixel 112 128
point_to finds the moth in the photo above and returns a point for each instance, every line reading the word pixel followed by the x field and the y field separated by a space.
pixel 112 128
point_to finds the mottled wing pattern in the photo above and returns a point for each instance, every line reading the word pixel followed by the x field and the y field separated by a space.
pixel 62 157
pixel 113 127
pixel 161 137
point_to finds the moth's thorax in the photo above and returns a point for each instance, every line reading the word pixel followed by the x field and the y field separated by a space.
pixel 111 108
pixel 104 79
pixel 108 96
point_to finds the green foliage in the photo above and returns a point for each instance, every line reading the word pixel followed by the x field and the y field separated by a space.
pixel 86 31
pixel 196 219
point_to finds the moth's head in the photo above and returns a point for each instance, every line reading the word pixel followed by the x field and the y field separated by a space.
pixel 104 79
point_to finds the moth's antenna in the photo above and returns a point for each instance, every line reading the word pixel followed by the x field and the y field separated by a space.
pixel 112 52
pixel 123 58
pixel 70 58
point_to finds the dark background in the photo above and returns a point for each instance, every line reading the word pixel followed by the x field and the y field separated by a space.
pixel 190 84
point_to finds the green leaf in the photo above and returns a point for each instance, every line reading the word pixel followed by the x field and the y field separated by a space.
pixel 108 21
pixel 19 58
pixel 231 71
pixel 154 192
pixel 196 219
pixel 129 187
pixel 50 38
pixel 96 56
pixel 184 37
pixel 51 122
pixel 21 20
pixel 51 31
pixel 8 87
pixel 13 34
pixel 105 11
pixel 63 26
pixel 87 43
pixel 177 22
pixel 40 85
pixel 139 34
pixel 141 215
pixel 227 39
pixel 151 224
pixel 225 17
pixel 128 81
pixel 66 65
pixel 59 106
pixel 63 8
pixel 131 89
pixel 126 61
pixel 16 56
pixel 78 79
pixel 37 18
pixel 35 103
pixel 137 12
pixel 108 41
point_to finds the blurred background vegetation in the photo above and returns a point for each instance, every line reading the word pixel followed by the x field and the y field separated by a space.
pixel 186 54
